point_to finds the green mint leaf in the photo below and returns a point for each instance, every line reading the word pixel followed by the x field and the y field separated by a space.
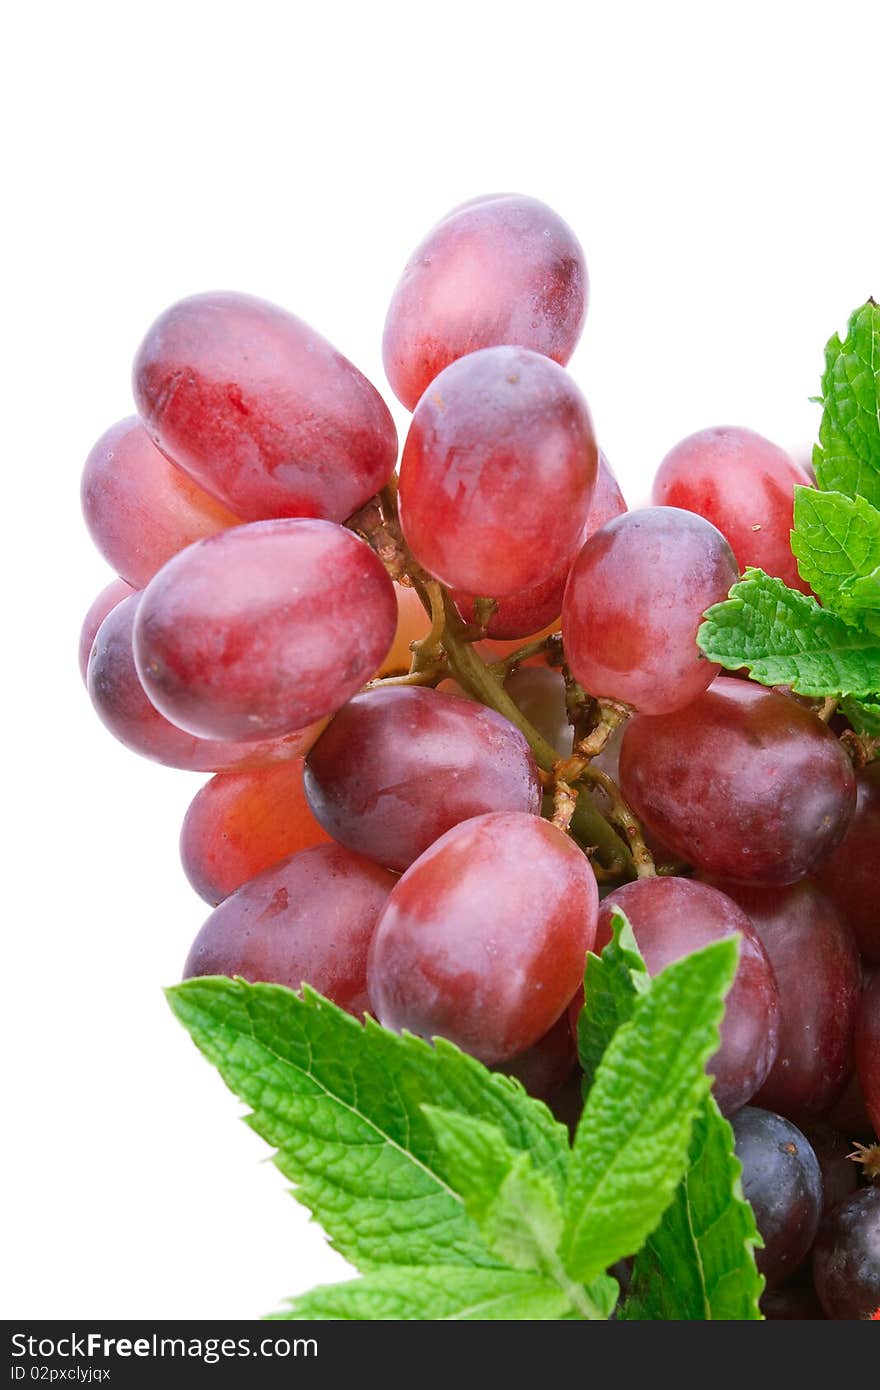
pixel 612 984
pixel 631 1145
pixel 342 1104
pixel 836 541
pixel 438 1294
pixel 864 715
pixel 847 457
pixel 707 1236
pixel 785 638
pixel 516 1207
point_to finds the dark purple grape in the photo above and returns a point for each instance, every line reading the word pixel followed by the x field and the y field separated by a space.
pixel 846 1260
pixel 793 1304
pixel 840 1175
pixel 782 1180
pixel 399 767
pixel 545 1067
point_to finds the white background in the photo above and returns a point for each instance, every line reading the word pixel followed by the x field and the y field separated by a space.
pixel 719 163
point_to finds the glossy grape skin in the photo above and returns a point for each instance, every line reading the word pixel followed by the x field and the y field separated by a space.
pixel 241 823
pixel 744 783
pixel 544 1068
pixel 849 874
pixel 308 920
pixel 139 508
pixel 250 634
pixel 521 615
pixel 399 767
pixel 868 1049
pixel 499 269
pixel 832 1149
pixel 498 472
pixel 745 486
pixel 483 939
pixel 106 601
pixel 261 410
pixel 634 601
pixel 782 1181
pixel 539 693
pixel 671 917
pixel 123 707
pixel 846 1258
pixel 817 969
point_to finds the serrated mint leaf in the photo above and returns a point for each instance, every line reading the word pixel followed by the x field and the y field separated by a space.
pixel 864 715
pixel 847 457
pixel 342 1104
pixel 836 541
pixel 785 638
pixel 612 983
pixel 419 1294
pixel 707 1236
pixel 631 1145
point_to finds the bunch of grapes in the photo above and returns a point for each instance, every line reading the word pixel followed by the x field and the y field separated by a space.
pixel 451 705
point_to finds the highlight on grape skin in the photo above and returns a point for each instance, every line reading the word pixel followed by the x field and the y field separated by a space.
pixel 498 472
pixel 246 635
pixel 502 269
pixel 261 410
pixel 139 508
pixel 397 768
pixel 483 939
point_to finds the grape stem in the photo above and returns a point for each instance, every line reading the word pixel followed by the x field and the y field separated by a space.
pixel 502 669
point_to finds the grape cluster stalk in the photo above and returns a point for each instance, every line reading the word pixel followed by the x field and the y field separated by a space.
pixel 455 712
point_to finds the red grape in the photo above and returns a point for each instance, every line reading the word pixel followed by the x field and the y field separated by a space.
pixel 106 601
pixel 868 1049
pixel 307 920
pixel 249 634
pixel 123 706
pixel 817 969
pixel 782 1181
pixel 261 410
pixel 848 875
pixel 846 1260
pixel 241 823
pixel 139 508
pixel 520 615
pixel 399 767
pixel 671 917
pixel 483 939
pixel 500 269
pixel 745 486
pixel 634 601
pixel 544 1068
pixel 744 783
pixel 498 472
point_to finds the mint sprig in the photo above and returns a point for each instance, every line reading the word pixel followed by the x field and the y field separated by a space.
pixel 829 648
pixel 455 1192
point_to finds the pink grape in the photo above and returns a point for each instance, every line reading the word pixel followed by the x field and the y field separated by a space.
pixel 249 634
pixel 745 486
pixel 848 875
pixel 817 969
pixel 399 767
pixel 498 472
pixel 261 410
pixel 139 508
pixel 745 784
pixel 520 615
pixel 499 269
pixel 483 939
pixel 241 823
pixel 671 917
pixel 634 601
pixel 106 601
pixel 308 920
pixel 868 1049
pixel 123 707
